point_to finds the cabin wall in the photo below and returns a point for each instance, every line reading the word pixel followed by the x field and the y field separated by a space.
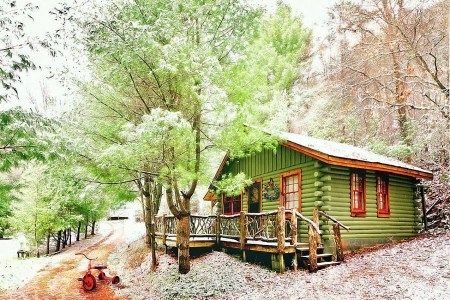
pixel 327 187
pixel 267 164
pixel 371 229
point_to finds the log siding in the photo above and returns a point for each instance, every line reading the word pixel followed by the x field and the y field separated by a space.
pixel 327 188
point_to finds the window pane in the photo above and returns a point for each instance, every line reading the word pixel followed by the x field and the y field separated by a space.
pixel 358 193
pixel 291 191
pixel 227 208
pixel 381 203
pixel 237 207
pixel 232 205
pixel 383 194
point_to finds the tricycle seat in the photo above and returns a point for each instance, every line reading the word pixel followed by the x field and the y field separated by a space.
pixel 100 267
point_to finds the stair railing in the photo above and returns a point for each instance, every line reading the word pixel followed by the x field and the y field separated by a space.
pixel 314 237
pixel 337 234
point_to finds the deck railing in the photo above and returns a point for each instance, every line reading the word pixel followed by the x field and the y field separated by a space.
pixel 277 227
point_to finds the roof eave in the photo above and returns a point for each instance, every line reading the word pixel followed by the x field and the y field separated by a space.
pixel 352 163
pixel 209 196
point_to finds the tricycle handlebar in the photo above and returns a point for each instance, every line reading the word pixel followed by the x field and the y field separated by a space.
pixel 80 253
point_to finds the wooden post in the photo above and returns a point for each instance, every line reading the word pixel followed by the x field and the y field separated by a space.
pixel 243 234
pixel 218 229
pixel 294 231
pixel 424 209
pixel 312 249
pixel 294 227
pixel 338 242
pixel 281 236
pixel 316 221
pixel 163 229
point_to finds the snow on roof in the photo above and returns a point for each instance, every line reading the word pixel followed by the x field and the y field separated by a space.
pixel 346 151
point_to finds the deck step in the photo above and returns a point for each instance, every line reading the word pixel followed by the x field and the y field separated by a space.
pixel 305 250
pixel 323 255
pixel 327 264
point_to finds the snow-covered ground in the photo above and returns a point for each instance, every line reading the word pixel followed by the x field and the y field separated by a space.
pixel 416 269
pixel 14 272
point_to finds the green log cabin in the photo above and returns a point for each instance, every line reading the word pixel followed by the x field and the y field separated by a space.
pixel 372 194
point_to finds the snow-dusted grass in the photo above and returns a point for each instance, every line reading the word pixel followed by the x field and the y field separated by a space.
pixel 416 269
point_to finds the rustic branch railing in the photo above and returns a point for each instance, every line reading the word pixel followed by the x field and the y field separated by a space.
pixel 337 235
pixel 303 218
pixel 171 225
pixel 262 226
pixel 229 226
pixel 257 226
pixel 334 220
pixel 203 226
pixel 279 226
pixel 159 221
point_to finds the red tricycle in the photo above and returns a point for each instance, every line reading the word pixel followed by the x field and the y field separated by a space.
pixel 89 282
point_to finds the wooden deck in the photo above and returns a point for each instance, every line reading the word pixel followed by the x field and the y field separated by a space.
pixel 274 232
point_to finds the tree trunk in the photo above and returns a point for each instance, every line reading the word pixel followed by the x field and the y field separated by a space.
pixel 48 244
pixel 93 228
pixel 153 246
pixel 148 219
pixel 70 236
pixel 183 236
pixel 64 239
pixel 58 242
pixel 78 231
pixel 86 229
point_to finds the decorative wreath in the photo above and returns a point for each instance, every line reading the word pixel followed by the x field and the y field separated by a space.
pixel 271 191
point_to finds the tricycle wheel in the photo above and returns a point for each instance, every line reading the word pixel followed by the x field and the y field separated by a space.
pixel 89 282
pixel 116 280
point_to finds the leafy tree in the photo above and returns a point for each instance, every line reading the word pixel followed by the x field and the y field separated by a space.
pixel 22 140
pixel 275 67
pixel 8 194
pixel 16 45
pixel 160 99
pixel 35 217
pixel 389 68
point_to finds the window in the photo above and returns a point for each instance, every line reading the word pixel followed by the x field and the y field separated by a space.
pixel 383 208
pixel 231 205
pixel 290 190
pixel 358 193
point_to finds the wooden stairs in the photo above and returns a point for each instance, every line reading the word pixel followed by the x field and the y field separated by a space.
pixel 323 259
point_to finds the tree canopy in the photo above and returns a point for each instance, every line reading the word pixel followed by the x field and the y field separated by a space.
pixel 386 75
pixel 165 92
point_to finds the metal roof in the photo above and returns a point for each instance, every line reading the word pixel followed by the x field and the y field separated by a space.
pixel 348 155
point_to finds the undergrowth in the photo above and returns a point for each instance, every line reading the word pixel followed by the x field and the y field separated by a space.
pixel 136 254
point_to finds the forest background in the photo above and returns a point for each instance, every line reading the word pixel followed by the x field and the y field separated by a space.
pixel 154 92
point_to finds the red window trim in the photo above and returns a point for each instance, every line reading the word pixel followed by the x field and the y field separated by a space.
pixel 383 213
pixel 358 212
pixel 224 197
pixel 282 193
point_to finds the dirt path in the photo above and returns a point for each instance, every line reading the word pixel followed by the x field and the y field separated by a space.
pixel 58 280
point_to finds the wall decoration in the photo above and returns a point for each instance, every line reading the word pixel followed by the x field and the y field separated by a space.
pixel 271 191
